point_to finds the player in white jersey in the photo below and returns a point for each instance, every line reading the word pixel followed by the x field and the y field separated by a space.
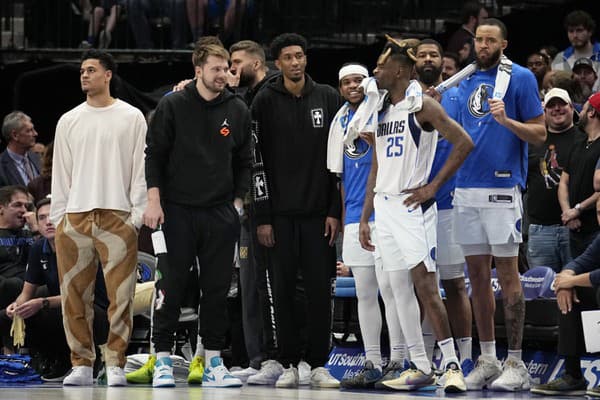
pixel 405 211
pixel 370 279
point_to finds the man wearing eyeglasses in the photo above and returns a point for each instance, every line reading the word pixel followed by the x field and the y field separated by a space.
pixel 14 241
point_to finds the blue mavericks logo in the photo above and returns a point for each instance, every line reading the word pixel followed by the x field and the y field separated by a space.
pixel 477 104
pixel 357 149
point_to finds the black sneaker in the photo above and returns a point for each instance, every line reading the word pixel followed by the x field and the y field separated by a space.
pixel 563 385
pixel 56 372
pixel 364 379
pixel 594 392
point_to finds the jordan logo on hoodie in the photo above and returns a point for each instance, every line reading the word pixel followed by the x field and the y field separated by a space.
pixel 224 128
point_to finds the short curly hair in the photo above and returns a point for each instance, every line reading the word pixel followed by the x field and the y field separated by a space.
pixel 286 40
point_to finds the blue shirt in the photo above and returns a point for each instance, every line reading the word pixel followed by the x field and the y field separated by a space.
pixel 444 195
pixel 499 159
pixel 357 164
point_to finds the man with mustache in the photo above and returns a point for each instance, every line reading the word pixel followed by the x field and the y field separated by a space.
pixel 501 110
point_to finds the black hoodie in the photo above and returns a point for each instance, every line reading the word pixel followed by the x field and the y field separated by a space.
pixel 199 153
pixel 290 174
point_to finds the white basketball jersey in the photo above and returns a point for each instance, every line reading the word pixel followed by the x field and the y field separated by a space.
pixel 405 151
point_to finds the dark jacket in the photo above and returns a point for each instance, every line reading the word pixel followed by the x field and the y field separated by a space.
pixel 199 153
pixel 589 261
pixel 9 174
pixel 290 173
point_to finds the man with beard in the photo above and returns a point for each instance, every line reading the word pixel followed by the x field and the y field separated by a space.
pixel 198 162
pixel 450 66
pixel 576 193
pixel 248 70
pixel 98 196
pixel 405 211
pixel 577 285
pixel 450 260
pixel 298 207
pixel 580 27
pixel 585 74
pixel 548 243
pixel 501 110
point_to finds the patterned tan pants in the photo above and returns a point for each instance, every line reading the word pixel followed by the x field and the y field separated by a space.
pixel 83 239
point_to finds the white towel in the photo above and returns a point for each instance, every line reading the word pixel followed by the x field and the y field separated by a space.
pixel 335 141
pixel 502 77
pixel 365 118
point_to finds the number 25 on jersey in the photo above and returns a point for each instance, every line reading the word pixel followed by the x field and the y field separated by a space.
pixel 395 146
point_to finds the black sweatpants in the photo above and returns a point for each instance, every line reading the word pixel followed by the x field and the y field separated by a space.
pixel 571 342
pixel 300 244
pixel 209 234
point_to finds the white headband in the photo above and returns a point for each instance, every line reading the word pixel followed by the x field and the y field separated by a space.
pixel 352 69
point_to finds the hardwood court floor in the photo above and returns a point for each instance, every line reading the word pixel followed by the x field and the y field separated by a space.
pixel 183 392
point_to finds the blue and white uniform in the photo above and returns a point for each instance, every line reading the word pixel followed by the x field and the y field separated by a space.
pixel 405 153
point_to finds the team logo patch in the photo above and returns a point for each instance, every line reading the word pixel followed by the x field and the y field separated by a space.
pixel 357 149
pixel 260 189
pixel 224 131
pixel 317 117
pixel 243 252
pixel 478 100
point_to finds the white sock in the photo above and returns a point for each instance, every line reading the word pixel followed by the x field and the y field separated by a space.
pixel 398 350
pixel 488 349
pixel 199 348
pixel 465 348
pixel 448 352
pixel 516 354
pixel 210 354
pixel 418 357
pixel 369 317
pixel 162 354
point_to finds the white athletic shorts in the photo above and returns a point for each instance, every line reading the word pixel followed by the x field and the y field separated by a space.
pixel 448 251
pixel 406 237
pixel 352 252
pixel 498 224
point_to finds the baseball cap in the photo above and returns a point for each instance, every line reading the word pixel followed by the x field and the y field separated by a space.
pixel 557 93
pixel 595 101
pixel 584 62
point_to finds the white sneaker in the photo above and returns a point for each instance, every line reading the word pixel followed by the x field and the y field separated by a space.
pixel 80 376
pixel 162 375
pixel 304 371
pixel 217 375
pixel 321 378
pixel 115 376
pixel 454 381
pixel 486 370
pixel 289 378
pixel 514 377
pixel 244 374
pixel 270 371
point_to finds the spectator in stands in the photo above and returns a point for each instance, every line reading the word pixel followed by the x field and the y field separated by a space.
pixel 38 149
pixel 548 243
pixel 577 289
pixel 539 64
pixel 18 165
pixel 450 66
pixel 141 12
pixel 174 158
pixel 564 80
pixel 45 335
pixel 110 9
pixel 450 259
pixel 585 74
pixel 580 27
pixel 291 118
pixel 220 15
pixel 40 186
pixel 15 241
pixel 473 12
pixel 98 195
pixel 576 193
pixel 501 122
pixel 549 51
